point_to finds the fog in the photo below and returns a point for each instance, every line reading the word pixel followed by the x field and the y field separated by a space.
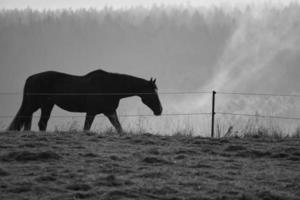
pixel 254 49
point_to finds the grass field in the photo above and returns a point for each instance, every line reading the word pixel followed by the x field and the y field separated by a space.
pixel 77 165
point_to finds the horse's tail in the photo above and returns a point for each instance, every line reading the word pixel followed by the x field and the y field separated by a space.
pixel 19 119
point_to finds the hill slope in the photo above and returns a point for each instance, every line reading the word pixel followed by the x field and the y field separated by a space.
pixel 107 166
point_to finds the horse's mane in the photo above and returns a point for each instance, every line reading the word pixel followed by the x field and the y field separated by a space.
pixel 98 71
pixel 122 77
pixel 106 73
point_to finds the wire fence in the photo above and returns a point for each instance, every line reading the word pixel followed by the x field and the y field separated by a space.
pixel 259 116
pixel 213 113
pixel 122 115
pixel 161 93
pixel 103 94
pixel 259 94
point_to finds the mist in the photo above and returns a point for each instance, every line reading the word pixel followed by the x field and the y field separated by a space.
pixel 254 49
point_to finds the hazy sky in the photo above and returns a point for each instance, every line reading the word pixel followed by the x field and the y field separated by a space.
pixel 75 4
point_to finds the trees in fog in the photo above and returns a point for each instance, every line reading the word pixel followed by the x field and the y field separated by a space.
pixel 177 39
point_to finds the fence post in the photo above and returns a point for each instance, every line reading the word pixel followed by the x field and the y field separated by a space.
pixel 213 114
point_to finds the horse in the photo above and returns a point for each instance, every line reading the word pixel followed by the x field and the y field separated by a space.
pixel 97 92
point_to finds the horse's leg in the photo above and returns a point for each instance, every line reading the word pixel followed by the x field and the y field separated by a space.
pixel 113 118
pixel 45 115
pixel 89 118
pixel 27 123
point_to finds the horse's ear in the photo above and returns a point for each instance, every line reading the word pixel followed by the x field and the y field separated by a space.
pixel 152 80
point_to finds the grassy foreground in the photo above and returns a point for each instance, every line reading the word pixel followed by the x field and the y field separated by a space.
pixel 144 166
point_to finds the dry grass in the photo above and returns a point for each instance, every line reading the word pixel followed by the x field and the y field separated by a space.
pixel 255 129
pixel 89 165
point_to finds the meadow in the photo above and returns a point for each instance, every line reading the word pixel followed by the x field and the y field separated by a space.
pixel 89 165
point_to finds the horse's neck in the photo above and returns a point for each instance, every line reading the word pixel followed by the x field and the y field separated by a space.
pixel 134 87
pixel 124 84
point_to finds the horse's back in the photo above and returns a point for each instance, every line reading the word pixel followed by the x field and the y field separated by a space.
pixel 61 89
pixel 78 93
pixel 54 82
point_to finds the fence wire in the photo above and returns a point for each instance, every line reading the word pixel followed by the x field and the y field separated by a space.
pixel 162 93
pixel 259 116
pixel 104 94
pixel 167 93
pixel 121 115
pixel 258 94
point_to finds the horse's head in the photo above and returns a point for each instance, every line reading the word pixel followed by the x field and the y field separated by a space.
pixel 150 97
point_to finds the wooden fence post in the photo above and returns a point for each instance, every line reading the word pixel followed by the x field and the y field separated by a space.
pixel 213 114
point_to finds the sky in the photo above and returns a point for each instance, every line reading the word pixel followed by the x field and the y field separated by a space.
pixel 98 4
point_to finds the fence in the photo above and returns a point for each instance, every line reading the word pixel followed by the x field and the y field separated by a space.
pixel 213 112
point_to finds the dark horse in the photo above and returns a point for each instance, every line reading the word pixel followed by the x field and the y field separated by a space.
pixel 94 93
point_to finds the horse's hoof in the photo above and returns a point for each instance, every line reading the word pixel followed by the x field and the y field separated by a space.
pixel 121 133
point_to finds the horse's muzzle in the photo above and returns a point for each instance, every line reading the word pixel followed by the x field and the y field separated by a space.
pixel 158 112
